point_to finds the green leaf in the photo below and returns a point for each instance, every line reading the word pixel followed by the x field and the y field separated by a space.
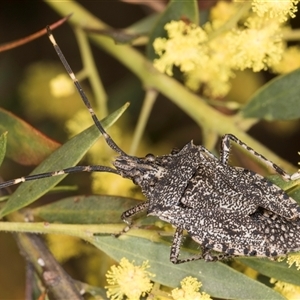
pixel 129 34
pixel 218 279
pixel 98 209
pixel 295 194
pixel 3 141
pixel 120 36
pixel 278 270
pixel 95 209
pixel 67 155
pixel 276 100
pixel 25 144
pixel 144 25
pixel 176 10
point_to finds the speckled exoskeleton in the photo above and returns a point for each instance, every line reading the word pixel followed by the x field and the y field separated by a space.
pixel 223 208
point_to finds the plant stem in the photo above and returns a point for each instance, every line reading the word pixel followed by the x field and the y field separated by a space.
pixel 149 100
pixel 190 103
pixel 86 232
pixel 92 73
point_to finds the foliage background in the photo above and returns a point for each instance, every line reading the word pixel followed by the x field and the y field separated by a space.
pixel 19 19
pixel 167 124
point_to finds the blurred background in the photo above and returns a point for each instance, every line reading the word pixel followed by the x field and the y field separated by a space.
pixel 25 69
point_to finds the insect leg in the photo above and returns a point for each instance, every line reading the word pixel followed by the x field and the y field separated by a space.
pixel 175 249
pixel 272 198
pixel 225 151
pixel 205 252
pixel 128 214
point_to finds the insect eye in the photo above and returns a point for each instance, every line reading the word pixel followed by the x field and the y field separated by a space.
pixel 150 157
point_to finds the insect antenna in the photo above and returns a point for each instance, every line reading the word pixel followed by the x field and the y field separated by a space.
pixel 110 142
pixel 83 96
pixel 75 169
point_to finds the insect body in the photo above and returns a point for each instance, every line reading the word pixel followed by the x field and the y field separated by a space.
pixel 226 209
pixel 262 234
pixel 194 177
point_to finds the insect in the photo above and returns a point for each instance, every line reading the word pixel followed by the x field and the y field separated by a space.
pixel 225 209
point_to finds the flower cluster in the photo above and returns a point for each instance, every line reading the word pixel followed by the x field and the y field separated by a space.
pixel 289 291
pixel 133 282
pixel 209 56
pixel 184 47
pixel 276 9
pixel 294 258
pixel 62 86
pixel 128 280
pixel 189 290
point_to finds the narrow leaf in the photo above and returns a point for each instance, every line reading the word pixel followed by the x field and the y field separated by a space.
pixel 211 275
pixel 3 141
pixel 120 36
pixel 273 269
pixel 98 209
pixel 67 155
pixel 25 144
pixel 276 100
pixel 144 25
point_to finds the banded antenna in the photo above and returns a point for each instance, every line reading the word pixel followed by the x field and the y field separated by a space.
pixel 110 142
pixel 83 96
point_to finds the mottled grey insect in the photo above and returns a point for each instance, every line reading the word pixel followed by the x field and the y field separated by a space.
pixel 223 208
pixel 226 209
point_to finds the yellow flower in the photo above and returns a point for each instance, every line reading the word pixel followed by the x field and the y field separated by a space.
pixel 257 47
pixel 189 290
pixel 111 184
pixel 280 10
pixel 35 87
pixel 289 291
pixel 222 12
pixel 183 48
pixel 65 247
pixel 79 122
pixel 213 74
pixel 202 63
pixel 208 57
pixel 294 258
pixel 290 61
pixel 62 86
pixel 128 280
